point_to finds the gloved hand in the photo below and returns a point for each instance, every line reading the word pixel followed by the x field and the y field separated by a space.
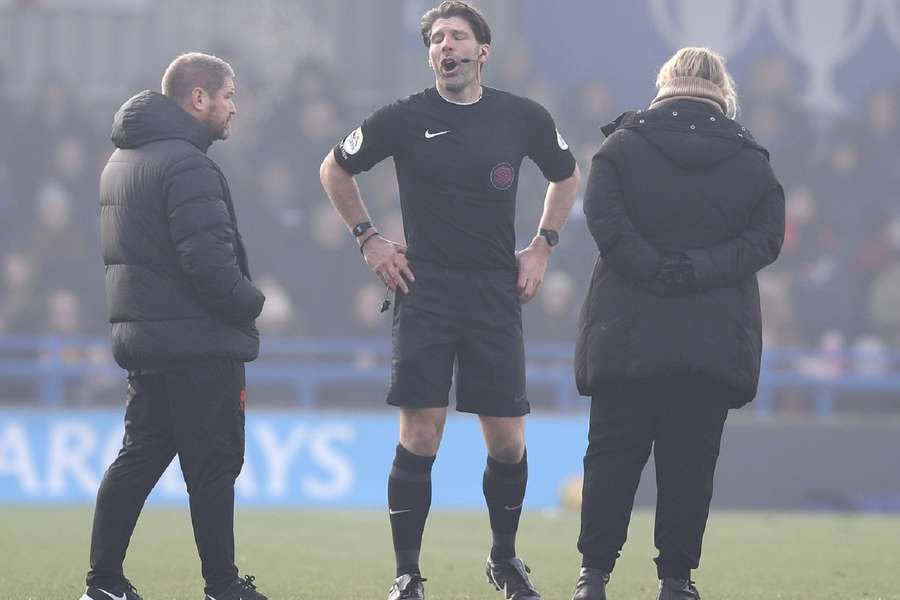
pixel 676 274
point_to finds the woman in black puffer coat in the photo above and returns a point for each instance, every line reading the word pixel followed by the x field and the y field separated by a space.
pixel 685 209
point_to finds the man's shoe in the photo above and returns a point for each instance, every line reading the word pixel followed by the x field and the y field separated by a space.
pixel 125 591
pixel 408 587
pixel 511 576
pixel 591 585
pixel 242 589
pixel 677 589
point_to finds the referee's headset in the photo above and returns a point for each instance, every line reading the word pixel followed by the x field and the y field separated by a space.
pixel 468 60
pixel 476 59
pixel 463 60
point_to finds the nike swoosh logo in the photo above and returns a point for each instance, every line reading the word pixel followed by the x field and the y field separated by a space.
pixel 397 512
pixel 429 135
pixel 113 596
pixel 512 507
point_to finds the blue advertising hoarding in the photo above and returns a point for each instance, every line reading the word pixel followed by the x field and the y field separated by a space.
pixel 292 458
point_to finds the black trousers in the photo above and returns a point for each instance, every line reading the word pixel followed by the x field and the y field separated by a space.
pixel 197 413
pixel 681 419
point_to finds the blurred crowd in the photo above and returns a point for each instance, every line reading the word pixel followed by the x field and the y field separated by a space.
pixel 836 285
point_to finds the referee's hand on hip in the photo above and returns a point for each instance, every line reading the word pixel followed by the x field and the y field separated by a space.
pixel 532 262
pixel 388 260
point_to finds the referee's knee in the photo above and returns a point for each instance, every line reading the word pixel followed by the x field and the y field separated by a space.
pixel 422 439
pixel 421 430
pixel 421 445
pixel 509 451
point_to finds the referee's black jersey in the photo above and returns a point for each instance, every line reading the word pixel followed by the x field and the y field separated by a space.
pixel 458 170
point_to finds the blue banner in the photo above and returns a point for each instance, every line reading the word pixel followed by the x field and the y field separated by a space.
pixel 292 458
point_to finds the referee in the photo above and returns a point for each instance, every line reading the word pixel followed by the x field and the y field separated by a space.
pixel 457 148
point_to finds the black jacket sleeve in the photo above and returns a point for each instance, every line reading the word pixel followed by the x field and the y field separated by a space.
pixel 757 246
pixel 204 233
pixel 622 246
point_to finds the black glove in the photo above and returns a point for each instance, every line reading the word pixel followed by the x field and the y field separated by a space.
pixel 676 274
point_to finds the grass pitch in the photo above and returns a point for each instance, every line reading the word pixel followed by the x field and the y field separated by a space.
pixel 340 555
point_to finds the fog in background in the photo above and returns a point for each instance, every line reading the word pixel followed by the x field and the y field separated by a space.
pixel 821 93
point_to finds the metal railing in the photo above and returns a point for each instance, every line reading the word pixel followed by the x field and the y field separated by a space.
pixel 305 366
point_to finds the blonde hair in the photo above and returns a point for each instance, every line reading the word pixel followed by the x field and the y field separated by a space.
pixel 705 64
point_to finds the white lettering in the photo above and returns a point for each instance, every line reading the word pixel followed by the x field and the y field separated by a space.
pixel 279 455
pixel 71 446
pixel 330 458
pixel 15 457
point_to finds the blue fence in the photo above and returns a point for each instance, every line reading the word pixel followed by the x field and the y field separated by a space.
pixel 305 367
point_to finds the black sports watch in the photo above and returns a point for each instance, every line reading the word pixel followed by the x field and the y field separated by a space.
pixel 551 235
pixel 361 228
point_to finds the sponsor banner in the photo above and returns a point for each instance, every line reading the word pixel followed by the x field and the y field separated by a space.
pixel 292 458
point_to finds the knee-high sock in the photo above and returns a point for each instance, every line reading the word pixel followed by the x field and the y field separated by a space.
pixel 504 490
pixel 409 498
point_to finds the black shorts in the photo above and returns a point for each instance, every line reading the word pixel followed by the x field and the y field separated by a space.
pixel 468 318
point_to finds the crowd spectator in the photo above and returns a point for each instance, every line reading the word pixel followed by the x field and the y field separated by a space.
pixel 838 277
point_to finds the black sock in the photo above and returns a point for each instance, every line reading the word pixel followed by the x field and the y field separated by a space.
pixel 409 498
pixel 504 490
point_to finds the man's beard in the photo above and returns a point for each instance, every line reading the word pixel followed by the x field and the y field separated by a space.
pixel 219 132
pixel 218 129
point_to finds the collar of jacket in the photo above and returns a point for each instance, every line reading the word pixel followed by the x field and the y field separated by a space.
pixel 691 87
pixel 688 116
pixel 150 116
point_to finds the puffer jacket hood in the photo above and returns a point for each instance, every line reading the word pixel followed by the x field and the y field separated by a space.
pixel 150 116
pixel 689 133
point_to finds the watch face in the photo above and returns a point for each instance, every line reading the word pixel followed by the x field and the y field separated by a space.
pixel 551 236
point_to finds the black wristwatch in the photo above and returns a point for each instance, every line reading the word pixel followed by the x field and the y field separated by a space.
pixel 551 235
pixel 362 228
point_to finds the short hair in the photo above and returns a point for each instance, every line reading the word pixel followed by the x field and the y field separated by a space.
pixel 195 70
pixel 456 8
pixel 705 64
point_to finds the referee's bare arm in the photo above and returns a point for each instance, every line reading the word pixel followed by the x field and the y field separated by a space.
pixel 533 260
pixel 385 257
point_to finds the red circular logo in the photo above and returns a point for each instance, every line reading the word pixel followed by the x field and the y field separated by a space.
pixel 503 176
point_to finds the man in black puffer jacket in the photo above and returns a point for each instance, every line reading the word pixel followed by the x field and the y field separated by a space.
pixel 182 309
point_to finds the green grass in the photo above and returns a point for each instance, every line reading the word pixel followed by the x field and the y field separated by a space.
pixel 347 555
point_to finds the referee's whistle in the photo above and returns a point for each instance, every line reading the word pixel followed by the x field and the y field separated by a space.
pixel 388 299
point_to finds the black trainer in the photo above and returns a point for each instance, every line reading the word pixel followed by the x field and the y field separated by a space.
pixel 511 576
pixel 591 584
pixel 408 587
pixel 242 589
pixel 125 591
pixel 677 589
